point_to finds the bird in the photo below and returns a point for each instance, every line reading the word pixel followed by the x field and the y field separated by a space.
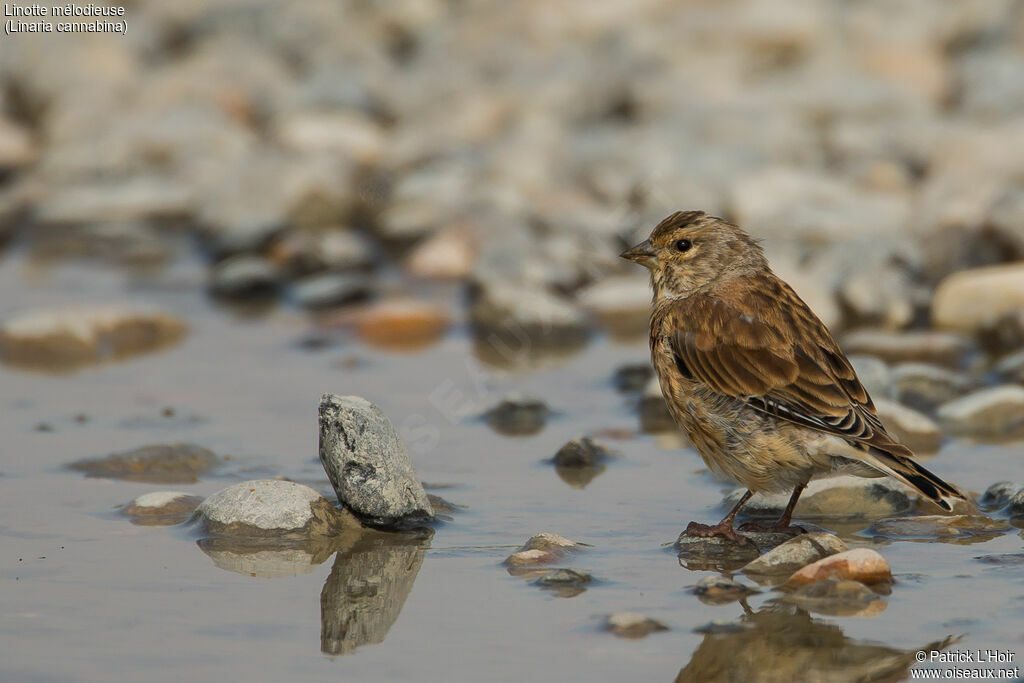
pixel 755 378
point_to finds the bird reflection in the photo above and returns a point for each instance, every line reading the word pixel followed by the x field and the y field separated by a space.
pixel 782 642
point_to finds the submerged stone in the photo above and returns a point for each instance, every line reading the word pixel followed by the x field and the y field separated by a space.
pixel 633 625
pixel 518 415
pixel 162 508
pixel 946 528
pixel 796 553
pixel 721 590
pixel 175 463
pixel 838 598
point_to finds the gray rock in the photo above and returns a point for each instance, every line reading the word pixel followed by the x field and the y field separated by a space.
pixel 582 452
pixel 995 411
pixel 518 415
pixel 175 463
pixel 835 498
pixel 330 290
pixel 271 508
pixel 621 305
pixel 721 590
pixel 71 338
pixel 796 553
pixel 925 387
pixel 633 625
pixel 998 495
pixel 942 348
pixel 720 554
pixel 527 316
pixel 244 277
pixel 303 252
pixel 1016 504
pixel 943 528
pixel 143 199
pixel 880 295
pixel 564 577
pixel 1011 367
pixel 874 374
pixel 633 378
pixel 368 463
pixel 913 429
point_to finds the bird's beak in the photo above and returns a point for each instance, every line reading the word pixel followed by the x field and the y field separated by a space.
pixel 642 253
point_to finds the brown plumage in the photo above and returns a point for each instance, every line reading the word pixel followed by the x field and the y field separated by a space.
pixel 753 376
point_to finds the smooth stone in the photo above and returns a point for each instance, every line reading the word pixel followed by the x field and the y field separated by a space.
pixel 527 315
pixel 838 598
pixel 124 243
pixel 402 324
pixel 965 528
pixel 368 464
pixel 969 300
pixel 564 583
pixel 914 430
pixel 244 277
pixel 344 132
pixel 721 590
pixel 303 252
pixel 633 625
pixel 941 348
pixel 447 255
pixel 529 558
pixel 654 414
pixel 998 494
pixel 1016 505
pixel 925 387
pixel 140 198
pixel 1011 367
pixel 875 374
pixel 995 411
pixel 550 542
pixel 17 148
pixel 66 339
pixel 721 554
pixel 162 508
pixel 633 378
pixel 518 415
pixel 796 553
pixel 860 564
pixel 331 290
pixel 834 498
pixel 176 463
pixel 582 452
pixel 621 305
pixel 271 508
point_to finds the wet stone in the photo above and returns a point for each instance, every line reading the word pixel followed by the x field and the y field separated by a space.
pixel 518 416
pixel 838 598
pixel 944 528
pixel 998 495
pixel 529 558
pixel 67 339
pixel 915 430
pixel 796 553
pixel 449 254
pixel 621 305
pixel 543 548
pixel 582 452
pixel 941 348
pixel 969 300
pixel 633 378
pixel 633 625
pixel 860 564
pixel 271 508
pixel 369 465
pixel 402 324
pixel 996 411
pixel 721 590
pixel 162 508
pixel 331 290
pixel 925 387
pixel 176 463
pixel 874 374
pixel 834 498
pixel 244 278
pixel 303 252
pixel 517 315
pixel 722 554
pixel 564 583
pixel 1016 504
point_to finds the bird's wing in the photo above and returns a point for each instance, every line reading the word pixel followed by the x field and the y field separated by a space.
pixel 768 348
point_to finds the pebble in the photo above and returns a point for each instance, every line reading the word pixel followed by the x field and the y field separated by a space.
pixel 402 324
pixel 331 290
pixel 915 430
pixel 998 495
pixel 270 508
pixel 621 305
pixel 838 598
pixel 633 378
pixel 529 558
pixel 162 508
pixel 140 198
pixel 874 374
pixel 369 465
pixel 943 528
pixel 993 411
pixel 721 590
pixel 523 317
pixel 304 252
pixel 720 554
pixel 860 564
pixel 969 300
pixel 925 387
pixel 1016 505
pixel 447 255
pixel 176 463
pixel 245 278
pixel 582 452
pixel 796 553
pixel 633 625
pixel 835 498
pixel 70 338
pixel 562 577
pixel 940 348
pixel 518 415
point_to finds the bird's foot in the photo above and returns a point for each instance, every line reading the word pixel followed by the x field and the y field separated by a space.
pixel 720 530
pixel 776 528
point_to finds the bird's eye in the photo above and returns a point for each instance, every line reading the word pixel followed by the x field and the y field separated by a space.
pixel 683 245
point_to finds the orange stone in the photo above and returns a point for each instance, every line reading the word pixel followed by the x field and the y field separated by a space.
pixel 860 564
pixel 402 325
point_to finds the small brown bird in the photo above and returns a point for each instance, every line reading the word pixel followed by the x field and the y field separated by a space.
pixel 753 376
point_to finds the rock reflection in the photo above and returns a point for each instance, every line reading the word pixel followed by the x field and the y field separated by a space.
pixel 367 588
pixel 267 558
pixel 784 643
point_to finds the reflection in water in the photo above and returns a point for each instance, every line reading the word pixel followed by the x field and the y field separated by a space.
pixel 367 588
pixel 267 558
pixel 783 643
pixel 579 477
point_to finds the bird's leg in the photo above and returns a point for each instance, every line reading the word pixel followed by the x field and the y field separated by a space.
pixel 783 525
pixel 723 528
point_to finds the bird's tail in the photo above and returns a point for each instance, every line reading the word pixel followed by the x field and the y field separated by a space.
pixel 915 476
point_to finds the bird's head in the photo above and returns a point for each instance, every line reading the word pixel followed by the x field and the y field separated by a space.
pixel 690 251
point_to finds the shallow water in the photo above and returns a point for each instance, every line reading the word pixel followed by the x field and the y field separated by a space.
pixel 89 596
